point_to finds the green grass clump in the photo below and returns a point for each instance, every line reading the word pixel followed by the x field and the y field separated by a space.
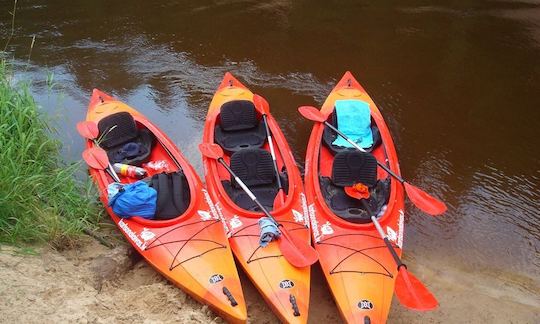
pixel 40 198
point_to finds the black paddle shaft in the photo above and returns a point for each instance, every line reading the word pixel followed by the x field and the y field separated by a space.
pixel 384 167
pixel 384 237
pixel 269 136
pixel 246 189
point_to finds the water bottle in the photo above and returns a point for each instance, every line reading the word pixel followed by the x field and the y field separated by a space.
pixel 131 171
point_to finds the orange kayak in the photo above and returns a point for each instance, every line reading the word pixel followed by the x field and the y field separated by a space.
pixel 357 265
pixel 236 125
pixel 191 248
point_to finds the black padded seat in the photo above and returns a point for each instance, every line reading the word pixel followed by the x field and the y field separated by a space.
pixel 349 168
pixel 329 136
pixel 239 127
pixel 352 167
pixel 173 195
pixel 255 168
pixel 118 129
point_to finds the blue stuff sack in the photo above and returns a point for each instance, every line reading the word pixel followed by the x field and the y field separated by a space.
pixel 135 199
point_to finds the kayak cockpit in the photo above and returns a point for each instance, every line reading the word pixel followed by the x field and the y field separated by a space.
pixel 342 169
pixel 132 144
pixel 240 130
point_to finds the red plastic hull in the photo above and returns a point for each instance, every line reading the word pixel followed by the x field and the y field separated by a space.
pixel 191 250
pixel 358 267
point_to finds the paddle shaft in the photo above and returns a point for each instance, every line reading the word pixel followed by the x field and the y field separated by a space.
pixel 383 235
pixel 271 144
pixel 246 189
pixel 384 167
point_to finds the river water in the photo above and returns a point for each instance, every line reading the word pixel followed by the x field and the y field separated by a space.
pixel 457 81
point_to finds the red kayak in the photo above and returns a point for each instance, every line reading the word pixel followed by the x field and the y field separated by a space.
pixel 235 123
pixel 358 267
pixel 185 242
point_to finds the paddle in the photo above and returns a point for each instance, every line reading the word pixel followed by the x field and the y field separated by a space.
pixel 418 197
pixel 410 291
pixel 89 130
pixel 297 252
pixel 96 158
pixel 264 108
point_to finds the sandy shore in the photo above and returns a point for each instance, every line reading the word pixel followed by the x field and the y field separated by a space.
pixel 95 284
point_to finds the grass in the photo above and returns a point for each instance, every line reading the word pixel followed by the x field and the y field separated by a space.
pixel 41 200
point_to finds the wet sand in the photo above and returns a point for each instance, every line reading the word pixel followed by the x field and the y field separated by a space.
pixel 92 283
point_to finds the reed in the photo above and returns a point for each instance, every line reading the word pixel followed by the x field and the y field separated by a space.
pixel 40 197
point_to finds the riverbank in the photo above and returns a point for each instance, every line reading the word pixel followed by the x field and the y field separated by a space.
pixel 93 283
pixel 41 200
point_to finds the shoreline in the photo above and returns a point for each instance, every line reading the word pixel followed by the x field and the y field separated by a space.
pixel 93 283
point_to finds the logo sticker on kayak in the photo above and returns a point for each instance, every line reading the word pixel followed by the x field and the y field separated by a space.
pixel 285 284
pixel 327 229
pixel 205 216
pixel 392 235
pixel 365 304
pixel 147 235
pixel 298 216
pixel 132 235
pixel 235 222
pixel 305 209
pixel 401 224
pixel 222 218
pixel 314 224
pixel 215 278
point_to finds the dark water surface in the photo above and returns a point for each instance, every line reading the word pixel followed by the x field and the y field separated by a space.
pixel 458 83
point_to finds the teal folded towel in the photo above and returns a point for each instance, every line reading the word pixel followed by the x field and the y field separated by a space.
pixel 354 120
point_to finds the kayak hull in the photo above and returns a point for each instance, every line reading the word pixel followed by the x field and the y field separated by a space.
pixel 357 265
pixel 283 286
pixel 191 250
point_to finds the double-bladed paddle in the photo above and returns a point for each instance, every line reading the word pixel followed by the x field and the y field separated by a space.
pixel 418 197
pixel 262 105
pixel 89 130
pixel 298 252
pixel 410 291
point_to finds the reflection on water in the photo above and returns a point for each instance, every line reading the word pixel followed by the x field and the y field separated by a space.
pixel 457 83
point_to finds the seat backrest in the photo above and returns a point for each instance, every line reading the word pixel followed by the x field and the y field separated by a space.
pixel 117 129
pixel 238 115
pixel 352 167
pixel 173 194
pixel 253 166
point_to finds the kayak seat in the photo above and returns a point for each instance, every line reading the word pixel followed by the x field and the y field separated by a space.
pixel 239 127
pixel 352 167
pixel 329 136
pixel 123 141
pixel 255 168
pixel 173 194
pixel 349 168
pixel 351 209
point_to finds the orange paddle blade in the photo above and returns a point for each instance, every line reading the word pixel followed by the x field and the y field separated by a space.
pixel 412 293
pixel 297 251
pixel 88 129
pixel 424 201
pixel 312 114
pixel 96 158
